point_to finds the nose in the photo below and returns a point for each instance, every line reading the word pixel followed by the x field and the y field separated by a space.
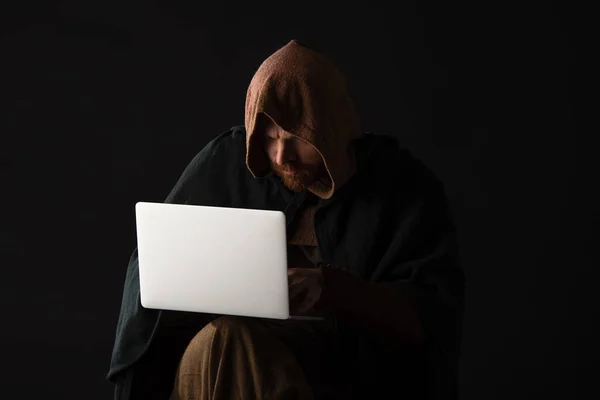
pixel 284 152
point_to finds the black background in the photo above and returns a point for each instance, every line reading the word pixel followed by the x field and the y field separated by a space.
pixel 104 103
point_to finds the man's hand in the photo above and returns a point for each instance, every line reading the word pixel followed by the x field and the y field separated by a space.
pixel 305 288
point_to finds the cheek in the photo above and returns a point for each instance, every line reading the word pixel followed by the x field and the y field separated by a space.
pixel 269 150
pixel 309 155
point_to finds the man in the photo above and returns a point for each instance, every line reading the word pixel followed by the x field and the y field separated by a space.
pixel 371 246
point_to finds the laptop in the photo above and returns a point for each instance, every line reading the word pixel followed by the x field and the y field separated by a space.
pixel 215 260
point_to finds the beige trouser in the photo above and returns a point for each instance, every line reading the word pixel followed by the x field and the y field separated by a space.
pixel 239 358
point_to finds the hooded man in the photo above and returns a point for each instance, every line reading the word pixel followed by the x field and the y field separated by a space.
pixel 371 246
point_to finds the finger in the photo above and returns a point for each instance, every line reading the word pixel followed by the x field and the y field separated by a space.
pixel 305 305
pixel 296 280
pixel 292 276
pixel 295 290
pixel 308 301
pixel 296 301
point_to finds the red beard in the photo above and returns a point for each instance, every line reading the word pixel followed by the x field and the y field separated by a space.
pixel 296 182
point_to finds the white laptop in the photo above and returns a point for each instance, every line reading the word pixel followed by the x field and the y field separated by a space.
pixel 214 260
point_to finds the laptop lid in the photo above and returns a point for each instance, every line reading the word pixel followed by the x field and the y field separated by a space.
pixel 212 260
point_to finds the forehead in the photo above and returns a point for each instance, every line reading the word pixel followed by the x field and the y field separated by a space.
pixel 273 130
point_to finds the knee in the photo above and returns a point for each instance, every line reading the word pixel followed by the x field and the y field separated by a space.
pixel 221 330
pixel 228 327
pixel 229 323
pixel 214 337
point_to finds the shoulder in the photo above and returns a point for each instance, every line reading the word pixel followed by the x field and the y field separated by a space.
pixel 226 150
pixel 388 167
pixel 402 186
pixel 221 160
pixel 228 142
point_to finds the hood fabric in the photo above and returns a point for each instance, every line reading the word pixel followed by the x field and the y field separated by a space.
pixel 305 94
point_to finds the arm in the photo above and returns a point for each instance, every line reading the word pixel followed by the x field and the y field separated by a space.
pixel 415 293
pixel 376 307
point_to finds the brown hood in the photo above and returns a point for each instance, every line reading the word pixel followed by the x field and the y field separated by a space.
pixel 304 93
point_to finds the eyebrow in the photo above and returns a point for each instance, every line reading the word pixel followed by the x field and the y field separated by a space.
pixel 284 135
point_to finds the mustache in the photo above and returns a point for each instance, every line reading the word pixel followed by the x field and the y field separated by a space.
pixel 285 168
